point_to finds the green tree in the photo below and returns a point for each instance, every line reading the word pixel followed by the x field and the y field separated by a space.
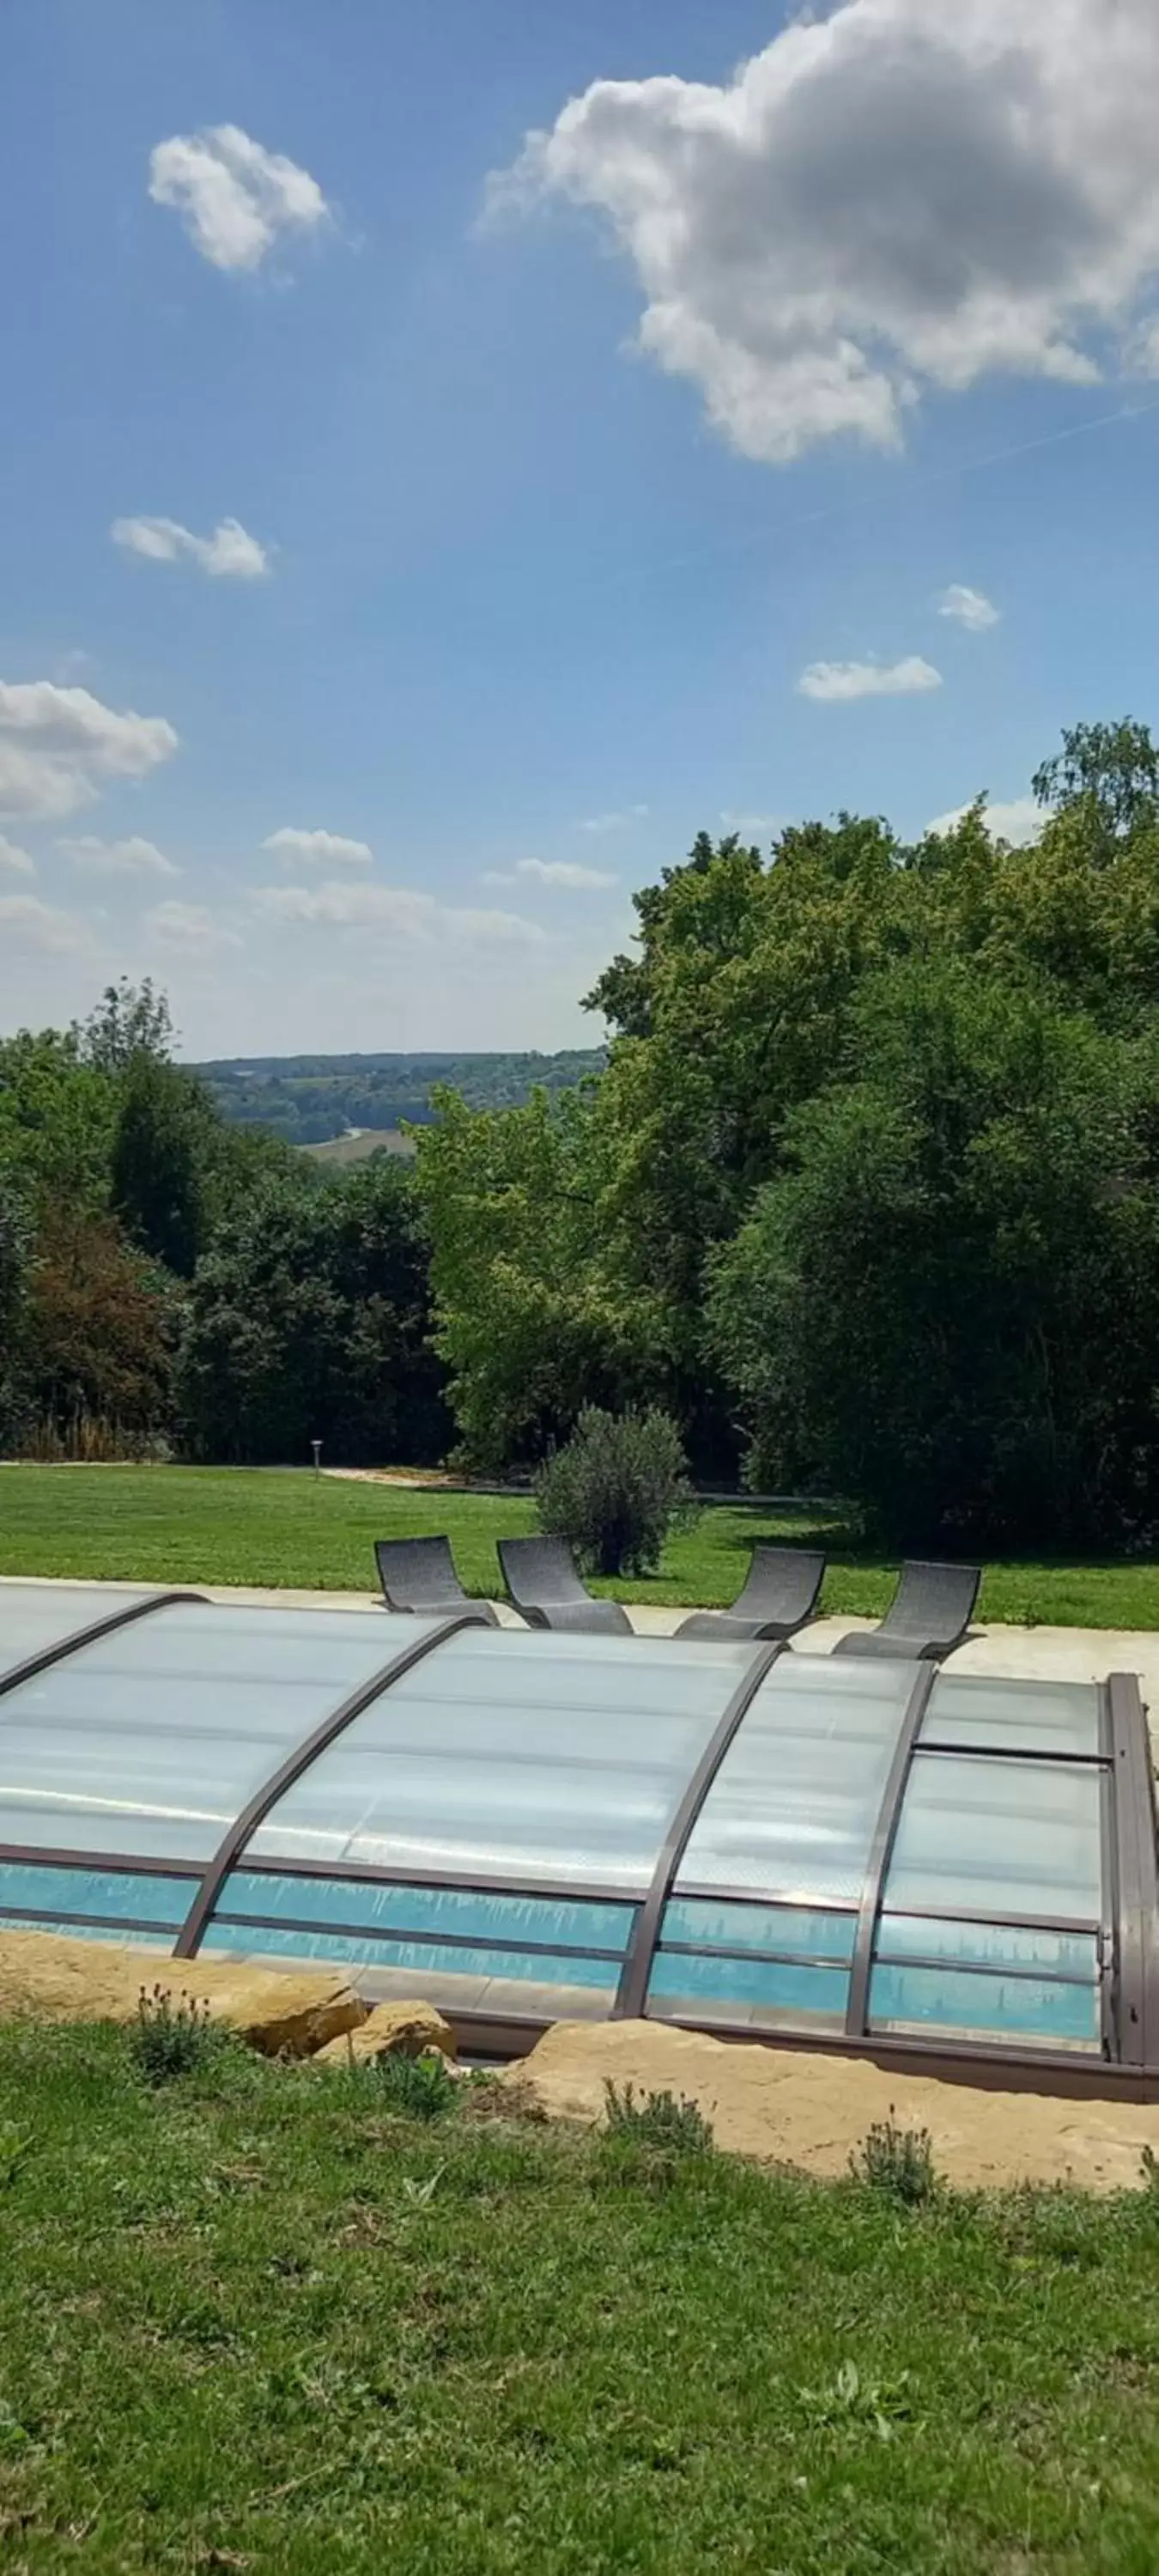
pixel 157 1165
pixel 530 1319
pixel 130 1020
pixel 942 1305
pixel 309 1318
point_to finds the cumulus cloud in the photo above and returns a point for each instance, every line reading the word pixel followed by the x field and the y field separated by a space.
pixel 969 608
pixel 894 195
pixel 190 927
pixel 845 680
pixel 128 858
pixel 15 860
pixel 234 198
pixel 58 747
pixel 1018 821
pixel 751 827
pixel 318 849
pixel 395 912
pixel 230 554
pixel 38 929
pixel 614 822
pixel 550 872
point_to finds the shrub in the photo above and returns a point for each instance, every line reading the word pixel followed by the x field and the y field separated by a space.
pixel 418 2088
pixel 170 2039
pixel 898 2161
pixel 657 2120
pixel 616 1489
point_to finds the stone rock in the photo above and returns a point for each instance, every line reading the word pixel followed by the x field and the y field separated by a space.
pixel 811 2110
pixel 393 2030
pixel 291 2012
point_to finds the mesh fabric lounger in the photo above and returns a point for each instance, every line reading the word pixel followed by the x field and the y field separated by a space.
pixel 928 1616
pixel 419 1574
pixel 780 1593
pixel 541 1578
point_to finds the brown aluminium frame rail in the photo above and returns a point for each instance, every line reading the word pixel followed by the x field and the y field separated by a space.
pixel 233 1843
pixel 90 1636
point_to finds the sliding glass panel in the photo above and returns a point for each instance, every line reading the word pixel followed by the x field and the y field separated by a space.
pixel 1013 1717
pixel 470 1914
pixel 988 1945
pixel 420 1958
pixel 1010 1837
pixel 775 1992
pixel 793 1807
pixel 34 1616
pixel 152 1740
pixel 1018 2009
pixel 528 1756
pixel 124 1897
pixel 709 1924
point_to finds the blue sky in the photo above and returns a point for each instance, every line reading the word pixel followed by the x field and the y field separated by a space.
pixel 537 520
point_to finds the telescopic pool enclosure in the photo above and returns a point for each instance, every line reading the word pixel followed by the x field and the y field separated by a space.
pixel 529 1826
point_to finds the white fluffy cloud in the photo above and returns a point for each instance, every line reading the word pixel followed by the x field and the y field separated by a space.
pixel 614 822
pixel 32 928
pixel 15 860
pixel 234 198
pixel 969 608
pixel 844 680
pixel 58 747
pixel 893 195
pixel 230 554
pixel 1018 821
pixel 128 858
pixel 395 912
pixel 318 849
pixel 551 872
pixel 189 928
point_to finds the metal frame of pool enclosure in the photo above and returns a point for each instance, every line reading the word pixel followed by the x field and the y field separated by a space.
pixel 885 1857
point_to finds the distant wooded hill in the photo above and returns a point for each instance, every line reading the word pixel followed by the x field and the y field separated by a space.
pixel 310 1098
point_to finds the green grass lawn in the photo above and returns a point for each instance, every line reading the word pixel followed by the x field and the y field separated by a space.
pixel 254 2321
pixel 229 1525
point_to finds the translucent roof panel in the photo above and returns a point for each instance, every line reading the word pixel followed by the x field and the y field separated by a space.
pixel 512 1756
pixel 149 1742
pixel 998 1837
pixel 35 1616
pixel 792 1810
pixel 1013 1716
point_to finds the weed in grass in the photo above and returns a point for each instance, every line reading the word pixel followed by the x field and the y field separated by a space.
pixel 852 2403
pixel 170 2039
pixel 897 2161
pixel 418 2088
pixel 662 2120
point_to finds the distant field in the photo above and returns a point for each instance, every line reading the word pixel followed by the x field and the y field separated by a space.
pixel 359 1148
pixel 265 1526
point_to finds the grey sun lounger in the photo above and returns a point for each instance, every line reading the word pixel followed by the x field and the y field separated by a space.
pixel 928 1616
pixel 780 1593
pixel 419 1574
pixel 541 1578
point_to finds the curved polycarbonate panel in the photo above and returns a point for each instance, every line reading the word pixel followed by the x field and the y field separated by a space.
pixel 118 1899
pixel 151 1741
pixel 1018 1948
pixel 509 1756
pixel 987 1714
pixel 792 1811
pixel 451 1914
pixel 36 1616
pixel 771 1994
pixel 703 1923
pixel 420 1958
pixel 1029 2012
pixel 998 1837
